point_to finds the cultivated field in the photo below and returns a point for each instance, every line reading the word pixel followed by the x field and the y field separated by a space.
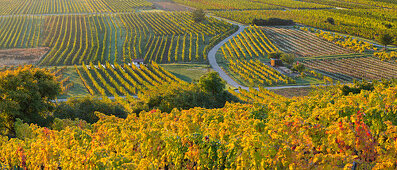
pixel 122 80
pixel 301 43
pixel 13 7
pixel 164 37
pixel 347 69
pixel 87 104
pixel 242 53
pixel 171 6
pixel 22 56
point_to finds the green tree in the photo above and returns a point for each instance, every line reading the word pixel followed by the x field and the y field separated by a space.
pixel 212 83
pixel 198 15
pixel 85 108
pixel 331 21
pixel 299 67
pixel 209 93
pixel 275 55
pixel 26 93
pixel 386 39
pixel 288 58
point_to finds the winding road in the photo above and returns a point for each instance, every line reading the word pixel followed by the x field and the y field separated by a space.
pixel 227 78
pixel 223 74
pixel 214 64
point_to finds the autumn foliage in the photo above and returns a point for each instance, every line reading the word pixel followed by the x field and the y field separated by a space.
pixel 322 131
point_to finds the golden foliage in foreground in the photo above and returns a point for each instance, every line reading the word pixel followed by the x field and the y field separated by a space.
pixel 326 130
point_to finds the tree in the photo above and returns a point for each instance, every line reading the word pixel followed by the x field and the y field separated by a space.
pixel 208 93
pixel 85 108
pixel 299 67
pixel 386 39
pixel 212 83
pixel 331 21
pixel 26 93
pixel 288 58
pixel 198 15
pixel 275 55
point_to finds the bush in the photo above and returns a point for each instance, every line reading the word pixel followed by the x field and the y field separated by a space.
pixel 85 108
pixel 288 58
pixel 198 15
pixel 272 22
pixel 357 88
pixel 299 68
pixel 331 21
pixel 275 55
pixel 208 93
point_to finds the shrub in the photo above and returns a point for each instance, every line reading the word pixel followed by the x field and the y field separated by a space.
pixel 331 21
pixel 275 55
pixel 357 88
pixel 288 58
pixel 209 92
pixel 299 68
pixel 85 108
pixel 198 15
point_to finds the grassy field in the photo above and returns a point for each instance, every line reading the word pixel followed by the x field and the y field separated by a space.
pixel 78 89
pixel 188 72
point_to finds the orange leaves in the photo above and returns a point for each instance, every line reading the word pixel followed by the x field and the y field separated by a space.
pixel 301 133
pixel 353 138
pixel 22 158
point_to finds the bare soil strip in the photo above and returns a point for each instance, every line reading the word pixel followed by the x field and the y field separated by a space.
pixel 171 6
pixel 21 56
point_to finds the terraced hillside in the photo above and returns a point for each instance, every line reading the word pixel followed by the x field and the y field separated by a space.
pixel 14 7
pixel 347 69
pixel 164 37
pixel 301 43
pixel 122 80
pixel 241 56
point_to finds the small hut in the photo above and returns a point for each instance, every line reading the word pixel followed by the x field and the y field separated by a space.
pixel 276 62
pixel 137 62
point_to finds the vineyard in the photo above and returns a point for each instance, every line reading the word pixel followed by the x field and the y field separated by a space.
pixel 302 44
pixel 241 55
pixel 14 7
pixel 122 80
pixel 162 84
pixel 347 69
pixel 289 4
pixel 20 31
pixel 261 95
pixel 164 37
pixel 343 41
pixel 367 23
pixel 246 4
pixel 322 131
